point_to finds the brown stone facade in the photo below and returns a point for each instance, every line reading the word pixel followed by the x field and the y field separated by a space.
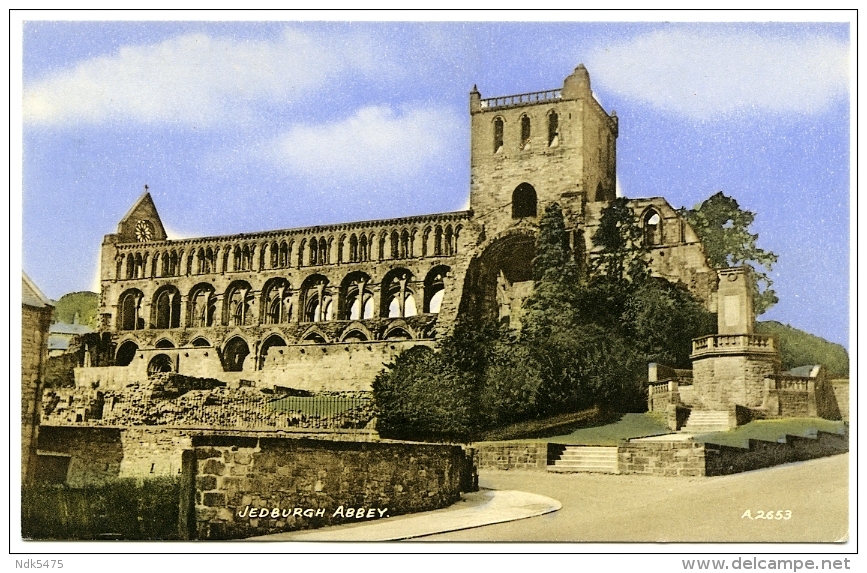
pixel 35 320
pixel 324 307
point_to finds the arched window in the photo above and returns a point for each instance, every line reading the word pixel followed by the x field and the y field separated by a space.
pixel 357 297
pixel 448 241
pixel 273 341
pixel 283 261
pixel 275 301
pixel 314 252
pixel 395 245
pixel 160 363
pixel 301 252
pixel 236 259
pixel 404 244
pixel 201 342
pixel 246 258
pixel 203 306
pixel 525 132
pixel 128 311
pixel 652 228
pixel 498 135
pixel 237 304
pixel 524 201
pixel 167 308
pixel 438 241
pixel 353 248
pixel 125 353
pixel 164 343
pixel 398 300
pixel 553 129
pixel 425 237
pixel 364 248
pixel 316 299
pixel 434 289
pixel 235 353
pixel 324 251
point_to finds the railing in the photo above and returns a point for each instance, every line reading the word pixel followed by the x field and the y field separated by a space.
pixel 793 383
pixel 734 342
pixel 238 410
pixel 520 99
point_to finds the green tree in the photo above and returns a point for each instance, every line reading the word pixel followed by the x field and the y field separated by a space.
pixel 724 230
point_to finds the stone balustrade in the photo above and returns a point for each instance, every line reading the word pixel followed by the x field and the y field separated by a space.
pixel 734 344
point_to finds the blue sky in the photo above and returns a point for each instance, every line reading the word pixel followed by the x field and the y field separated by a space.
pixel 248 126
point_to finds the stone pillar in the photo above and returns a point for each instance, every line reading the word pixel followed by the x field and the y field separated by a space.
pixel 735 314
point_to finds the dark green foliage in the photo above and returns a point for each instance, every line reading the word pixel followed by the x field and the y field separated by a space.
pixel 419 396
pixel 83 303
pixel 122 509
pixel 799 348
pixel 723 228
pixel 584 342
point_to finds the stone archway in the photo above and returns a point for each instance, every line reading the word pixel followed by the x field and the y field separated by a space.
pixel 500 279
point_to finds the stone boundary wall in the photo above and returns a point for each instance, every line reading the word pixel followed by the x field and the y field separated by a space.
pixel 725 460
pixel 672 459
pixel 668 459
pixel 513 455
pixel 98 454
pixel 246 487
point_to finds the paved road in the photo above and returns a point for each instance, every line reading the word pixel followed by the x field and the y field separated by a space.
pixel 637 508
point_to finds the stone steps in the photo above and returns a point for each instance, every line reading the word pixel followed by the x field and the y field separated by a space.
pixel 597 459
pixel 706 421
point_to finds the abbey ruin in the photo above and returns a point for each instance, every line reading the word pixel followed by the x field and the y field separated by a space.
pixel 323 308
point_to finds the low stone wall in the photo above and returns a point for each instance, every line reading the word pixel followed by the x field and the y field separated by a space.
pixel 725 460
pixel 246 487
pixel 662 458
pixel 512 455
pixel 98 455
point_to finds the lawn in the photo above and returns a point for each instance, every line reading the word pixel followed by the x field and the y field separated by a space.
pixel 771 431
pixel 628 426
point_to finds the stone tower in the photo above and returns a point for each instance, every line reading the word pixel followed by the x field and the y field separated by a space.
pixel 530 150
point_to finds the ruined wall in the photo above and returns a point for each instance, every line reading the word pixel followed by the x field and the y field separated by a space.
pixel 97 455
pixel 302 484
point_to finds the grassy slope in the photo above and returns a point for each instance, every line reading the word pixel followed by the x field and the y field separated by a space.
pixel 771 431
pixel 799 348
pixel 621 427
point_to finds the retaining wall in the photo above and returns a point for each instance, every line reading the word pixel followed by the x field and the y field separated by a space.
pixel 289 485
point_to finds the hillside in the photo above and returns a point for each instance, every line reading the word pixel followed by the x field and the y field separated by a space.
pixel 84 303
pixel 799 348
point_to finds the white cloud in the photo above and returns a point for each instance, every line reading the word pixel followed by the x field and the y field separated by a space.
pixel 193 79
pixel 375 144
pixel 708 74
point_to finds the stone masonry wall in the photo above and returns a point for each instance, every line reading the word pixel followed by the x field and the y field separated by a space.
pixel 247 487
pixel 725 460
pixel 662 458
pixel 721 381
pixel 98 455
pixel 512 455
pixel 34 352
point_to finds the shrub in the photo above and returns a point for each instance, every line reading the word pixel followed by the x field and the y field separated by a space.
pixel 125 508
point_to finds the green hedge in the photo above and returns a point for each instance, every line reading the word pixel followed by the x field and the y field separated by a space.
pixel 122 509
